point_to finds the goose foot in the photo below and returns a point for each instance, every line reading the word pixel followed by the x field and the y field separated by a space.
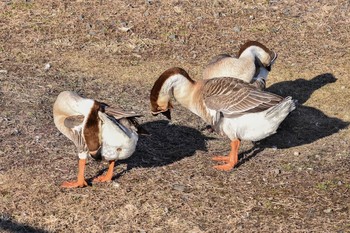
pixel 231 160
pixel 80 183
pixel 109 174
pixel 74 184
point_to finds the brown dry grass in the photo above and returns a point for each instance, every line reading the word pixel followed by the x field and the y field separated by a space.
pixel 295 181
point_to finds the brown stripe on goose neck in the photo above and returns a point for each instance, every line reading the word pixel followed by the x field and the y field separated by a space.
pixel 161 80
pixel 254 43
pixel 92 128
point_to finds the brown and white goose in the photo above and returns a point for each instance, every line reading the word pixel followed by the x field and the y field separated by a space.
pixel 252 65
pixel 97 130
pixel 233 107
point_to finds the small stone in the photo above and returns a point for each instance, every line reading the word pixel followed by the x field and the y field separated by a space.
pixel 340 182
pixel 115 184
pixel 3 71
pixel 88 26
pixel 274 147
pixel 179 187
pixel 275 29
pixel 251 17
pixel 177 9
pixel 342 87
pixel 317 157
pixel 328 210
pixel 276 171
pixel 296 153
pixel 124 29
pixel 173 37
pixel 16 132
pixel 237 29
pixel 47 66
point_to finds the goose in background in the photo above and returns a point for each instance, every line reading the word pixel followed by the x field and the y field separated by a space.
pixel 253 64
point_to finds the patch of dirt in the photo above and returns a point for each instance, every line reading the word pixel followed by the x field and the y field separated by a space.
pixel 295 180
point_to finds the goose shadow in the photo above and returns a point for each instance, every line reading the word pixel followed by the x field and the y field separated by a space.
pixel 305 124
pixel 7 224
pixel 166 144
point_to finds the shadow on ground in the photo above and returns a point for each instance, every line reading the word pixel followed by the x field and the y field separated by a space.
pixel 305 124
pixel 166 144
pixel 10 226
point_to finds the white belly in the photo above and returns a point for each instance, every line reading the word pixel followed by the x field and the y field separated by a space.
pixel 251 127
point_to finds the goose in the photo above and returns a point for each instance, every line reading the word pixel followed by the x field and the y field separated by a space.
pixel 253 64
pixel 96 130
pixel 233 107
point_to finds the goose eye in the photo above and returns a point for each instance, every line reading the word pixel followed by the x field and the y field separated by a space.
pixel 119 149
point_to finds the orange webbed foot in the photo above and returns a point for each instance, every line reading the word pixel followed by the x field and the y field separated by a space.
pixel 231 160
pixel 225 167
pixel 109 174
pixel 74 184
pixel 102 179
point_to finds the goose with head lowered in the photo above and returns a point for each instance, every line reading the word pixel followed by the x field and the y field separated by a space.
pixel 97 130
pixel 253 64
pixel 233 107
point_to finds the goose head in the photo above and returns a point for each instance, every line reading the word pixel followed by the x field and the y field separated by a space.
pixel 161 104
pixel 173 82
pixel 161 95
pixel 264 57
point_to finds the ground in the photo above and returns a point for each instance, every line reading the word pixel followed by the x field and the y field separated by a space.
pixel 294 181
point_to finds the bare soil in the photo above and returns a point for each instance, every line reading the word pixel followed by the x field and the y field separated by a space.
pixel 294 181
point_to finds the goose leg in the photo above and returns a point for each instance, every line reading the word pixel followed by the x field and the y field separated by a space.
pixel 81 181
pixel 109 174
pixel 231 160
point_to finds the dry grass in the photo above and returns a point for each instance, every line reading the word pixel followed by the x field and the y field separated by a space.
pixel 295 181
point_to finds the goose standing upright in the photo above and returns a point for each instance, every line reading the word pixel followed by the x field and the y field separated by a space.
pixel 96 130
pixel 253 64
pixel 233 107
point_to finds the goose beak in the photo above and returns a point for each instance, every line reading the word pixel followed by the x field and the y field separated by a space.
pixel 166 113
pixel 274 57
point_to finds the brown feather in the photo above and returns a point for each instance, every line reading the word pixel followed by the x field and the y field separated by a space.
pixel 92 129
pixel 254 43
pixel 160 81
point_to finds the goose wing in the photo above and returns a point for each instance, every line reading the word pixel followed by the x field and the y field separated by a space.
pixel 73 121
pixel 233 97
pixel 118 112
pixel 126 118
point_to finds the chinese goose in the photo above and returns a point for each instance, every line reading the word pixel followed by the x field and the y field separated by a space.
pixel 252 65
pixel 97 130
pixel 233 107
